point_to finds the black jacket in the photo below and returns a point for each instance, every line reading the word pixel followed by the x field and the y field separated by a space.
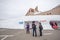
pixel 33 26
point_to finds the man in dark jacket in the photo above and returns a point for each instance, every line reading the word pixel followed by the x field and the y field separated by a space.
pixel 40 29
pixel 34 29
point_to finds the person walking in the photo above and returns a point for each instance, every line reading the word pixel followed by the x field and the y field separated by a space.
pixel 34 29
pixel 40 29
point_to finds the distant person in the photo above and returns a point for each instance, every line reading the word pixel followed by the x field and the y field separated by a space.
pixel 27 28
pixel 40 29
pixel 34 29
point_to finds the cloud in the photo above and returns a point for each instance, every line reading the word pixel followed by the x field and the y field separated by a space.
pixel 17 8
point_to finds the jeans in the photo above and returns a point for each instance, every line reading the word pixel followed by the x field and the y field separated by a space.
pixel 34 32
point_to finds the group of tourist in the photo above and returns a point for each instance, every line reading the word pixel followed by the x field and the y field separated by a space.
pixel 34 29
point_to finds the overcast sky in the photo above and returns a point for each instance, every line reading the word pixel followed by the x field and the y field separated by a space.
pixel 17 8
